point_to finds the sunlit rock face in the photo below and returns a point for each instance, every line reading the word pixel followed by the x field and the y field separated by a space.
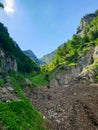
pixel 84 70
pixel 86 19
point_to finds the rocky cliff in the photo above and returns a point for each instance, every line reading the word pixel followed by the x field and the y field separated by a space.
pixel 7 63
pixel 85 20
pixel 85 70
pixel 80 62
pixel 12 57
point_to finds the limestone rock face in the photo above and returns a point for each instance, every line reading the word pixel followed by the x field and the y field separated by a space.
pixel 7 63
pixel 84 70
pixel 87 58
pixel 95 54
pixel 65 74
pixel 90 71
pixel 84 22
pixel 7 92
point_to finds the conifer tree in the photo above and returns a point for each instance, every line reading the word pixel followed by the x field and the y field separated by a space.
pixel 1 5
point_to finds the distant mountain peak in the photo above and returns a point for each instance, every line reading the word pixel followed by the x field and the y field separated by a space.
pixel 31 54
pixel 11 56
pixel 48 57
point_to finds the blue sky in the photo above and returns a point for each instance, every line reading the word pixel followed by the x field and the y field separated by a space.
pixel 43 25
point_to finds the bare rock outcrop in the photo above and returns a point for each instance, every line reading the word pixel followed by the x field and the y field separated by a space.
pixel 86 19
pixel 7 91
pixel 84 70
pixel 65 74
pixel 7 63
pixel 89 73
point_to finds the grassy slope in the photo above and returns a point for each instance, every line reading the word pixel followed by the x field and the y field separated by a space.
pixel 40 79
pixel 20 115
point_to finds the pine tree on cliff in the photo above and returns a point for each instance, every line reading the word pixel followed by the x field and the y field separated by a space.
pixel 1 5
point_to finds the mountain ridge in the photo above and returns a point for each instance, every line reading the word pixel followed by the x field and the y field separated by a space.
pixel 30 54
pixel 10 48
pixel 46 59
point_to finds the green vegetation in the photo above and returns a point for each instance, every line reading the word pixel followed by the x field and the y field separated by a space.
pixel 25 64
pixel 30 54
pixel 1 82
pixel 20 114
pixel 47 58
pixel 40 80
pixel 1 5
pixel 72 50
pixel 23 80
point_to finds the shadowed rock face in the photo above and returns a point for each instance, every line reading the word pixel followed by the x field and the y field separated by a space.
pixel 7 63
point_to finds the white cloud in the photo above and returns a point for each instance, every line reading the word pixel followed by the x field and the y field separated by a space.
pixel 9 6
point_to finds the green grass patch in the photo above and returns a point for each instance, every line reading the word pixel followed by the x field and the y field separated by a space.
pixel 40 79
pixel 20 78
pixel 19 115
pixel 72 64
pixel 17 88
pixel 1 82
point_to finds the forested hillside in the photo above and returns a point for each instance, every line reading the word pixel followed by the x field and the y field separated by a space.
pixel 72 50
pixel 11 48
pixel 16 111
pixel 48 58
pixel 30 54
